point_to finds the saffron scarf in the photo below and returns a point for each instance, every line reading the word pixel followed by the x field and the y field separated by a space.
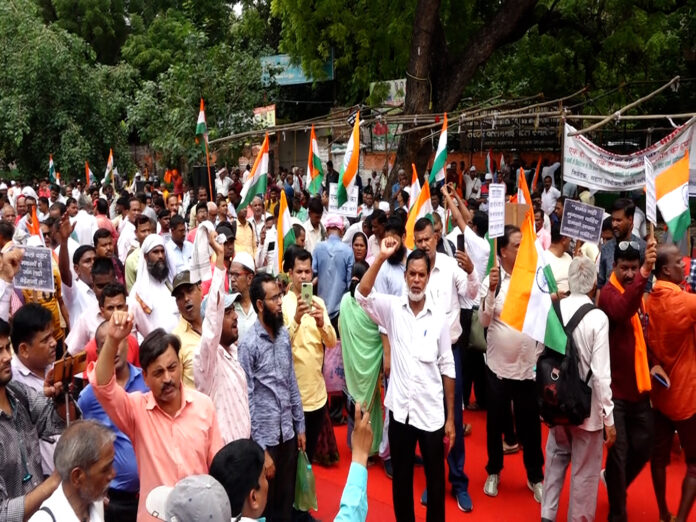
pixel 641 354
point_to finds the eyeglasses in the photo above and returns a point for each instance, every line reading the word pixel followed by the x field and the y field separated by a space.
pixel 623 245
pixel 275 298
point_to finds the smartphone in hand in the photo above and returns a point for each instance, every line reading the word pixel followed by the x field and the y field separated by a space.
pixel 306 293
pixel 461 245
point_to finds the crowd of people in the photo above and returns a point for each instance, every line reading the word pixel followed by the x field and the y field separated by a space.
pixel 207 352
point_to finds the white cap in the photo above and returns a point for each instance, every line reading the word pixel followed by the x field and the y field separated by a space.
pixel 489 176
pixel 245 259
pixel 383 205
pixel 3 186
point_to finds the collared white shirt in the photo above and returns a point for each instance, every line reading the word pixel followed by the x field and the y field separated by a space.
pixel 447 285
pixel 62 510
pixel 313 236
pixel 85 227
pixel 83 332
pixel 421 354
pixel 47 445
pixel 164 314
pixel 125 239
pixel 258 225
pixel 267 254
pixel 549 198
pixel 222 186
pixel 479 250
pixel 80 299
pixel 244 320
pixel 511 354
pixel 592 340
pixel 180 256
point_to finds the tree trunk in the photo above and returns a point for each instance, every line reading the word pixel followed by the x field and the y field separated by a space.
pixel 435 81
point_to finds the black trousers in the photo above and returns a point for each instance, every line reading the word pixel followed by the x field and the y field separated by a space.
pixel 122 507
pixel 281 489
pixel 523 396
pixel 402 443
pixel 314 421
pixel 635 433
pixel 473 365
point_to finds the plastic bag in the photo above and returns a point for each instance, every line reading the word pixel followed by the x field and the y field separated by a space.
pixel 305 487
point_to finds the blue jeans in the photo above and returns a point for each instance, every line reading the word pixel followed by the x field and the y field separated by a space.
pixel 456 457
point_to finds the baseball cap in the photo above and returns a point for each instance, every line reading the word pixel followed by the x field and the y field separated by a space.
pixel 196 498
pixel 229 301
pixel 245 259
pixel 181 279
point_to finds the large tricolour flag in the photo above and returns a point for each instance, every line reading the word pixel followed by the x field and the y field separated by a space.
pixel 201 127
pixel 51 170
pixel 415 188
pixel 108 174
pixel 523 195
pixel 286 234
pixel 315 174
pixel 528 307
pixel 351 162
pixel 437 173
pixel 255 184
pixel 672 192
pixel 422 208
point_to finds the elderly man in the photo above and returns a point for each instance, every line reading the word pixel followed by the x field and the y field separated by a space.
pixel 150 299
pixel 241 273
pixel 581 446
pixel 672 341
pixel 84 460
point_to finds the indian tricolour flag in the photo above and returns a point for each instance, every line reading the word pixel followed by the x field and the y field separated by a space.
pixel 437 173
pixel 51 170
pixel 523 195
pixel 201 127
pixel 502 161
pixel 89 175
pixel 422 208
pixel 672 192
pixel 255 184
pixel 537 172
pixel 415 188
pixel 351 162
pixel 315 174
pixel 489 162
pixel 108 174
pixel 286 234
pixel 528 307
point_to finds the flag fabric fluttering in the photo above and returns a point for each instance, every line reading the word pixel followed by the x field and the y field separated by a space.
pixel 52 170
pixel 528 307
pixel 315 173
pixel 437 173
pixel 89 175
pixel 351 162
pixel 255 184
pixel 33 225
pixel 535 180
pixel 502 161
pixel 422 208
pixel 415 188
pixel 523 196
pixel 109 173
pixel 489 162
pixel 201 127
pixel 286 234
pixel 672 193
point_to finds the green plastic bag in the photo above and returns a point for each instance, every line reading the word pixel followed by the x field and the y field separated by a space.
pixel 305 488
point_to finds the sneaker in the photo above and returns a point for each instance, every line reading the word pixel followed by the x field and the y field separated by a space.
pixel 508 449
pixel 537 489
pixel 464 502
pixel 490 488
pixel 424 498
pixel 388 468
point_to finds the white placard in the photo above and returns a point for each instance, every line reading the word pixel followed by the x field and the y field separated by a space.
pixel 349 208
pixel 496 209
pixel 650 192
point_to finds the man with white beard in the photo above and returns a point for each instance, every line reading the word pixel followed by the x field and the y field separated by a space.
pixel 150 299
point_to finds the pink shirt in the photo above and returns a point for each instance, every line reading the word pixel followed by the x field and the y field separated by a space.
pixel 167 448
pixel 217 372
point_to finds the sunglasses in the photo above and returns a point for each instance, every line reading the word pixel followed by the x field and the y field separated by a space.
pixel 623 245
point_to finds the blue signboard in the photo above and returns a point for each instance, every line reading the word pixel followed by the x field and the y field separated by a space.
pixel 286 73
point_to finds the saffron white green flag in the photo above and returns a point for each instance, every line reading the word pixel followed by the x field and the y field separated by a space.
pixel 672 192
pixel 422 208
pixel 89 175
pixel 201 127
pixel 51 170
pixel 286 234
pixel 351 162
pixel 437 173
pixel 108 174
pixel 315 173
pixel 255 184
pixel 415 188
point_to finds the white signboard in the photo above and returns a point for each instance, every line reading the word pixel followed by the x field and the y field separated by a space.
pixel 496 209
pixel 588 165
pixel 349 208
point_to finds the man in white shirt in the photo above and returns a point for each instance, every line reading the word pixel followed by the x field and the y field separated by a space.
pixel 127 230
pixel 472 185
pixel 222 183
pixel 85 223
pixel 511 357
pixel 581 446
pixel 559 259
pixel 179 249
pixel 258 218
pixel 84 460
pixel 241 273
pixel 549 196
pixel 422 367
pixel 313 226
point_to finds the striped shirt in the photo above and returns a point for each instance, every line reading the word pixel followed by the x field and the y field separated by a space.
pixel 217 372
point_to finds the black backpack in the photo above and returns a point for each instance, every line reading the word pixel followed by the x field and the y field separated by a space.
pixel 563 396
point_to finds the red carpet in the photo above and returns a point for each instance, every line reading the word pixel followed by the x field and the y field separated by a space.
pixel 514 501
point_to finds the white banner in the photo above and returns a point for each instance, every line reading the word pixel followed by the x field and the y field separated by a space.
pixel 588 165
pixel 496 209
pixel 349 208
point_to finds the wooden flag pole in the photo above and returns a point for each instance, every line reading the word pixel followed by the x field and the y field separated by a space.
pixel 495 252
pixel 207 162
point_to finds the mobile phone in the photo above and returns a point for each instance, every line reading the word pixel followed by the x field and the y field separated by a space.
pixel 69 366
pixel 306 293
pixel 661 380
pixel 460 243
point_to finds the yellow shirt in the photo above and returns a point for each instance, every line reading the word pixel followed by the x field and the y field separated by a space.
pixel 190 341
pixel 308 343
pixel 245 239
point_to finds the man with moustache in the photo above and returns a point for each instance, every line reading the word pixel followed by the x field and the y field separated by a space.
pixel 216 370
pixel 150 299
pixel 275 405
pixel 187 294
